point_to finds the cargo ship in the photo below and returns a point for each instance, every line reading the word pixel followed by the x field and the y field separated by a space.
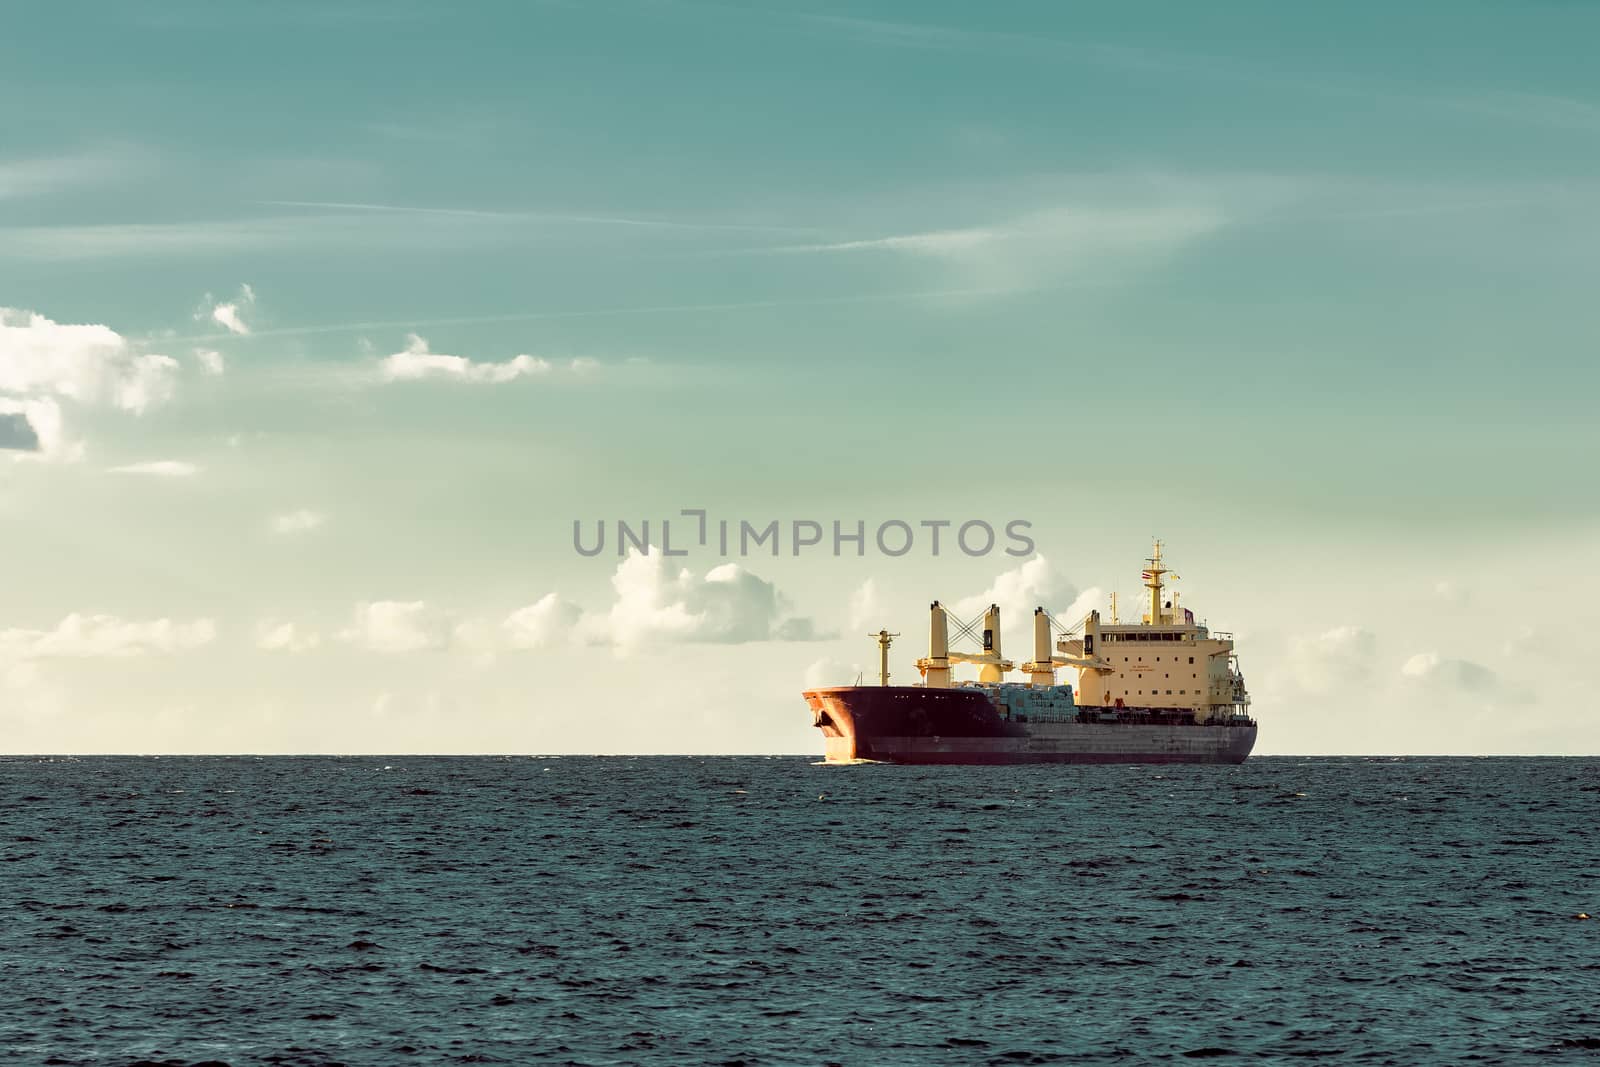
pixel 1163 690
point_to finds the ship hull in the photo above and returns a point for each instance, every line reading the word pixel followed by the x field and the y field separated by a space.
pixel 906 724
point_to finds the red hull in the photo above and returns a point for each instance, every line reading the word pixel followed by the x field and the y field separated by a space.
pixel 909 724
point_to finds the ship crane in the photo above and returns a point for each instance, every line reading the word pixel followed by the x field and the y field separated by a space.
pixel 935 666
pixel 1042 668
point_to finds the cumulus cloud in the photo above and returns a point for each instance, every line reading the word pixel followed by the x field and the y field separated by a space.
pixel 1459 674
pixel 546 621
pixel 229 314
pixel 86 636
pixel 89 364
pixel 1035 583
pixel 392 627
pixel 297 522
pixel 43 362
pixel 210 361
pixel 158 468
pixel 864 605
pixel 1333 660
pixel 729 605
pixel 285 637
pixel 417 362
pixel 827 671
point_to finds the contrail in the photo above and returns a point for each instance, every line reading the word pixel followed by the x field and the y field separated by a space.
pixel 537 216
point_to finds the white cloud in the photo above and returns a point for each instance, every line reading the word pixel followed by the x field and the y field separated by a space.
pixel 417 363
pixel 295 522
pixel 1456 674
pixel 85 636
pixel 827 671
pixel 229 314
pixel 546 621
pixel 728 605
pixel 210 361
pixel 159 468
pixel 393 627
pixel 864 605
pixel 1035 583
pixel 87 363
pixel 1337 659
pixel 285 637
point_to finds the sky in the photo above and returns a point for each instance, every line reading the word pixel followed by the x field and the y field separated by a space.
pixel 325 322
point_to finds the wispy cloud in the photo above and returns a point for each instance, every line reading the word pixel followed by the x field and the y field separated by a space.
pixel 50 174
pixel 297 522
pixel 331 224
pixel 934 242
pixel 158 468
pixel 1048 245
pixel 1529 108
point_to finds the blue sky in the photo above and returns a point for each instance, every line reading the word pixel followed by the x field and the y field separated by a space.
pixel 1309 293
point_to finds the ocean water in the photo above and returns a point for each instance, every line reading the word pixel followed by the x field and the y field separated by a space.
pixel 773 910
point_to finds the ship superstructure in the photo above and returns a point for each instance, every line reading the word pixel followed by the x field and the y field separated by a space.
pixel 1164 690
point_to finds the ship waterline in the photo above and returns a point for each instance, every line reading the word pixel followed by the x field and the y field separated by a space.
pixel 1163 690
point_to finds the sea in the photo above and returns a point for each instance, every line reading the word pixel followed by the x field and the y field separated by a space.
pixel 776 910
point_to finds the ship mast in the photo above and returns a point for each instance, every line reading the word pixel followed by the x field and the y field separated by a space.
pixel 885 639
pixel 1152 582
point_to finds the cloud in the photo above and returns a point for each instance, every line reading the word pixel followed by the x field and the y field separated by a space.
pixel 17 433
pixel 295 522
pixel 864 605
pixel 1458 674
pixel 87 363
pixel 1336 659
pixel 96 636
pixel 729 605
pixel 158 468
pixel 44 362
pixel 417 363
pixel 393 627
pixel 1035 583
pixel 210 361
pixel 931 243
pixel 229 314
pixel 546 621
pixel 41 176
pixel 285 637
pixel 1054 242
pixel 827 671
